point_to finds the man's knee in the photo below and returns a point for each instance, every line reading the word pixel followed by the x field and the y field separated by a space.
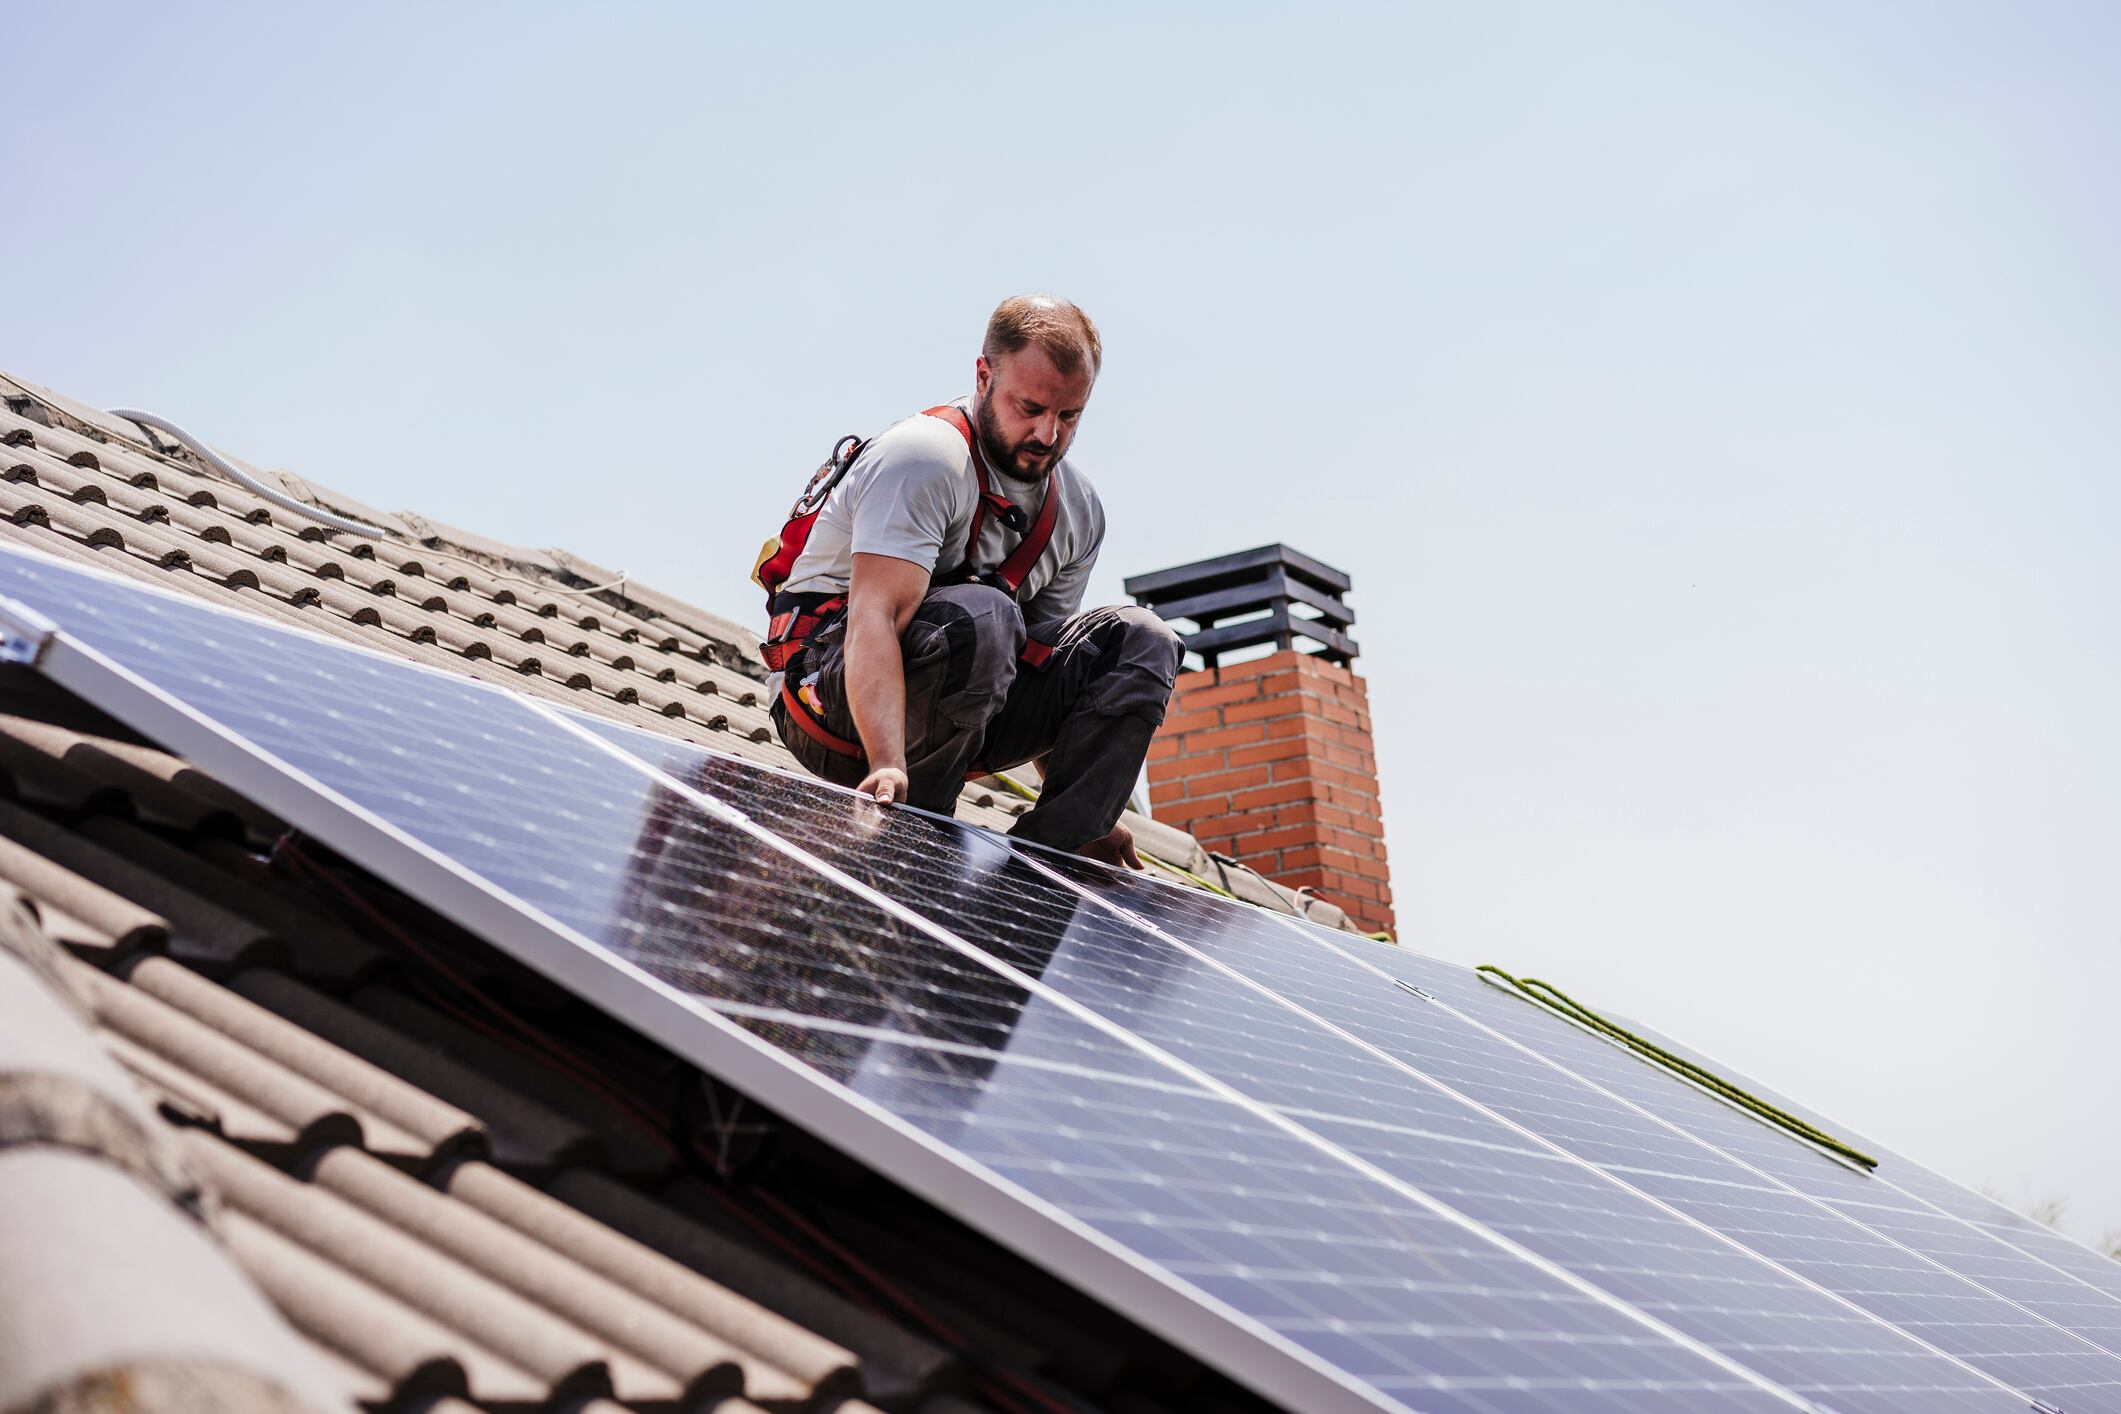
pixel 1152 642
pixel 965 640
pixel 1145 660
pixel 983 611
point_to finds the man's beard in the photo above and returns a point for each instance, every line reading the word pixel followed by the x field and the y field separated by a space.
pixel 1000 455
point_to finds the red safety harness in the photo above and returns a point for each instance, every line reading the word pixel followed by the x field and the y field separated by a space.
pixel 794 617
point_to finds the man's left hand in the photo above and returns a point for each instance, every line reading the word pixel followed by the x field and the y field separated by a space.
pixel 1115 849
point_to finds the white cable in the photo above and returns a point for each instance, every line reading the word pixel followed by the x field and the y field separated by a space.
pixel 242 478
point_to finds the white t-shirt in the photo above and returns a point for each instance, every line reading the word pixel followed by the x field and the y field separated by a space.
pixel 910 495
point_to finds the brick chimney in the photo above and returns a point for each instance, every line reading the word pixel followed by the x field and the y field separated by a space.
pixel 1269 760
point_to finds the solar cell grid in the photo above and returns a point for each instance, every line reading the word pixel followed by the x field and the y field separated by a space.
pixel 1903 1183
pixel 1986 1302
pixel 2069 1336
pixel 973 885
pixel 1528 1091
pixel 1336 1269
pixel 1313 1256
pixel 1363 1248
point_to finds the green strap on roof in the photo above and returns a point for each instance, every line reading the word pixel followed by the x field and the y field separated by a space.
pixel 1183 872
pixel 1546 994
pixel 1014 786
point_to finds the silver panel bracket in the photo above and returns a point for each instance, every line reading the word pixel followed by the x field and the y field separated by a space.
pixel 24 633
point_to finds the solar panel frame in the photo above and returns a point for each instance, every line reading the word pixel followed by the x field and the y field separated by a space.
pixel 2045 1379
pixel 1040 1231
pixel 1601 1202
pixel 97 679
pixel 1219 1334
pixel 1214 1084
pixel 2068 1257
pixel 1860 1202
pixel 1313 935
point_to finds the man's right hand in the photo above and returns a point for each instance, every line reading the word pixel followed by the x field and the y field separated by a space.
pixel 881 600
pixel 886 784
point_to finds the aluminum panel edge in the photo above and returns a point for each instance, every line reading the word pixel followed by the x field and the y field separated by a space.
pixel 1220 1337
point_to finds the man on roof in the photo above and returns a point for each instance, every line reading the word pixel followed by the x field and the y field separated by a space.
pixel 931 626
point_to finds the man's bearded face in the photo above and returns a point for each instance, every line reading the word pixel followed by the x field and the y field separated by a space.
pixel 1027 411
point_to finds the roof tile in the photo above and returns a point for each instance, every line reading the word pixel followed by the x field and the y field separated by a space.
pixel 398 1118
pixel 72 909
pixel 293 926
pixel 158 787
pixel 194 1100
pixel 897 1364
pixel 619 1145
pixel 746 1325
pixel 197 1048
pixel 59 1088
pixel 396 1350
pixel 567 1359
pixel 105 1277
pixel 521 1131
pixel 196 926
pixel 702 1363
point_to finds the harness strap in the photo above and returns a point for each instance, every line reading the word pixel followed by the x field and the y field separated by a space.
pixel 799 713
pixel 794 623
pixel 1012 571
pixel 955 416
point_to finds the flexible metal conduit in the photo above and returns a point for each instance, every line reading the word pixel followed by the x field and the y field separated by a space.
pixel 242 478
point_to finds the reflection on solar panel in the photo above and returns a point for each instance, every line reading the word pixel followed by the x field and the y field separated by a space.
pixel 1750 1263
pixel 1351 1176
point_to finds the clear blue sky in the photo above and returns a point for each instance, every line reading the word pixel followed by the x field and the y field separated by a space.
pixel 1716 405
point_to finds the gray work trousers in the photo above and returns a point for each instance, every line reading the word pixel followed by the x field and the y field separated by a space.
pixel 1091 709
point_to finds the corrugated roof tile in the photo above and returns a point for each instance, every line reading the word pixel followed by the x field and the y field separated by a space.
pixel 704 1365
pixel 396 1351
pixel 105 1278
pixel 195 925
pixel 193 1100
pixel 565 1358
pixel 620 1144
pixel 293 927
pixel 817 1363
pixel 75 910
pixel 59 1088
pixel 158 787
pixel 194 1048
pixel 398 1119
pixel 522 1132
pixel 897 1365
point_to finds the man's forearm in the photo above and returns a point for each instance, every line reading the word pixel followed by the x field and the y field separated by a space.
pixel 876 689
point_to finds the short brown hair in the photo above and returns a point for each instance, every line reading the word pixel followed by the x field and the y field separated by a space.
pixel 1061 330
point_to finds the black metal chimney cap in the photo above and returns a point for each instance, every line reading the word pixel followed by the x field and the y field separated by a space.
pixel 1271 578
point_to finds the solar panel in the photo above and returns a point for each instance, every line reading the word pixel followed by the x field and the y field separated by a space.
pixel 1249 1138
pixel 1792 1289
pixel 1990 1304
pixel 1206 1217
pixel 2004 1281
pixel 2000 1247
